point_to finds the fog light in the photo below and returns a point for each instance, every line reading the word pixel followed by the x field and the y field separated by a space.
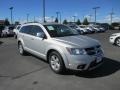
pixel 81 66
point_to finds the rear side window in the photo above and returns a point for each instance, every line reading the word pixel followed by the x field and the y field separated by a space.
pixel 18 27
pixel 26 29
pixel 35 30
pixel 31 29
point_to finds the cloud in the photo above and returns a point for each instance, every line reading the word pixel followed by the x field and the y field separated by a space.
pixel 107 19
pixel 38 19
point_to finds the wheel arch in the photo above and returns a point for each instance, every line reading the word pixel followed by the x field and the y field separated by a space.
pixel 65 61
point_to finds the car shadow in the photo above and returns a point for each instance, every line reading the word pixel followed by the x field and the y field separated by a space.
pixel 1 42
pixel 107 68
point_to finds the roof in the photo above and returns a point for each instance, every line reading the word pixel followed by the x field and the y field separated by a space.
pixel 42 23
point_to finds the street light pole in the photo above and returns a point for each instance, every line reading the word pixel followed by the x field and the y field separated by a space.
pixel 27 18
pixel 57 13
pixel 34 19
pixel 90 18
pixel 11 9
pixel 95 8
pixel 60 18
pixel 111 16
pixel 44 11
pixel 52 18
pixel 74 18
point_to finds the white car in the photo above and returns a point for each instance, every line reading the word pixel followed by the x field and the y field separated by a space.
pixel 61 46
pixel 7 31
pixel 115 39
pixel 16 30
pixel 83 28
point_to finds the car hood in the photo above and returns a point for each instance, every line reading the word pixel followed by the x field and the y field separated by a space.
pixel 77 41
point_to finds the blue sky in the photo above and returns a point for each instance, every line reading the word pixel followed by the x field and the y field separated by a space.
pixel 68 8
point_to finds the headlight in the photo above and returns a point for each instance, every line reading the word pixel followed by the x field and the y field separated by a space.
pixel 76 51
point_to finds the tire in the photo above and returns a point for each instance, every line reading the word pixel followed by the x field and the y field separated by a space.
pixel 82 32
pixel 15 36
pixel 117 41
pixel 56 62
pixel 21 49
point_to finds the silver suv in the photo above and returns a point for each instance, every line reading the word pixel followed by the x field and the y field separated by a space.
pixel 61 46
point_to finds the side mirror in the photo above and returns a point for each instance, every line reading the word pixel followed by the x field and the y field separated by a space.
pixel 41 35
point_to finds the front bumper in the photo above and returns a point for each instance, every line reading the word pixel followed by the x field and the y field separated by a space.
pixel 85 62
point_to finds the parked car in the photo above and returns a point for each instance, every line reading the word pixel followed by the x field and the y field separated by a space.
pixel 16 30
pixel 7 31
pixel 61 46
pixel 75 27
pixel 98 28
pixel 91 29
pixel 102 29
pixel 83 28
pixel 115 39
pixel 0 32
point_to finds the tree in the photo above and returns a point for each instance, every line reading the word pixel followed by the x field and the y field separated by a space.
pixel 56 20
pixel 85 21
pixel 6 23
pixel 65 22
pixel 78 22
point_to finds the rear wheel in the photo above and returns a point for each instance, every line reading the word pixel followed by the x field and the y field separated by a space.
pixel 117 41
pixel 56 62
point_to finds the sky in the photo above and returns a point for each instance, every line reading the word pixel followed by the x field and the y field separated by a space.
pixel 68 9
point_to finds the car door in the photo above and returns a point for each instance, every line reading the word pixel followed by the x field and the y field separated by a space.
pixel 26 36
pixel 38 44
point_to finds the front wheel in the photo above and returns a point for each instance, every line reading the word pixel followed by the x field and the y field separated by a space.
pixel 56 62
pixel 21 50
pixel 117 41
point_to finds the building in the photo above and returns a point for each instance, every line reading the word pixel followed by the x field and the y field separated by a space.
pixel 2 22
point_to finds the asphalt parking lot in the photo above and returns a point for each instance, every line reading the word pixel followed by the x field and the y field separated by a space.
pixel 30 73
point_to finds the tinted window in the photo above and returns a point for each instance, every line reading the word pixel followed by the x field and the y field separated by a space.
pixel 35 30
pixel 18 27
pixel 26 29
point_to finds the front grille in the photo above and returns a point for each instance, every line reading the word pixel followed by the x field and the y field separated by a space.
pixel 93 50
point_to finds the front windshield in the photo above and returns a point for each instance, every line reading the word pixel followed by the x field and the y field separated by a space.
pixel 60 30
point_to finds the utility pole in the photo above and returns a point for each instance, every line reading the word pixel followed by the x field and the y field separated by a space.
pixel 27 18
pixel 95 8
pixel 74 18
pixel 111 16
pixel 44 11
pixel 11 9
